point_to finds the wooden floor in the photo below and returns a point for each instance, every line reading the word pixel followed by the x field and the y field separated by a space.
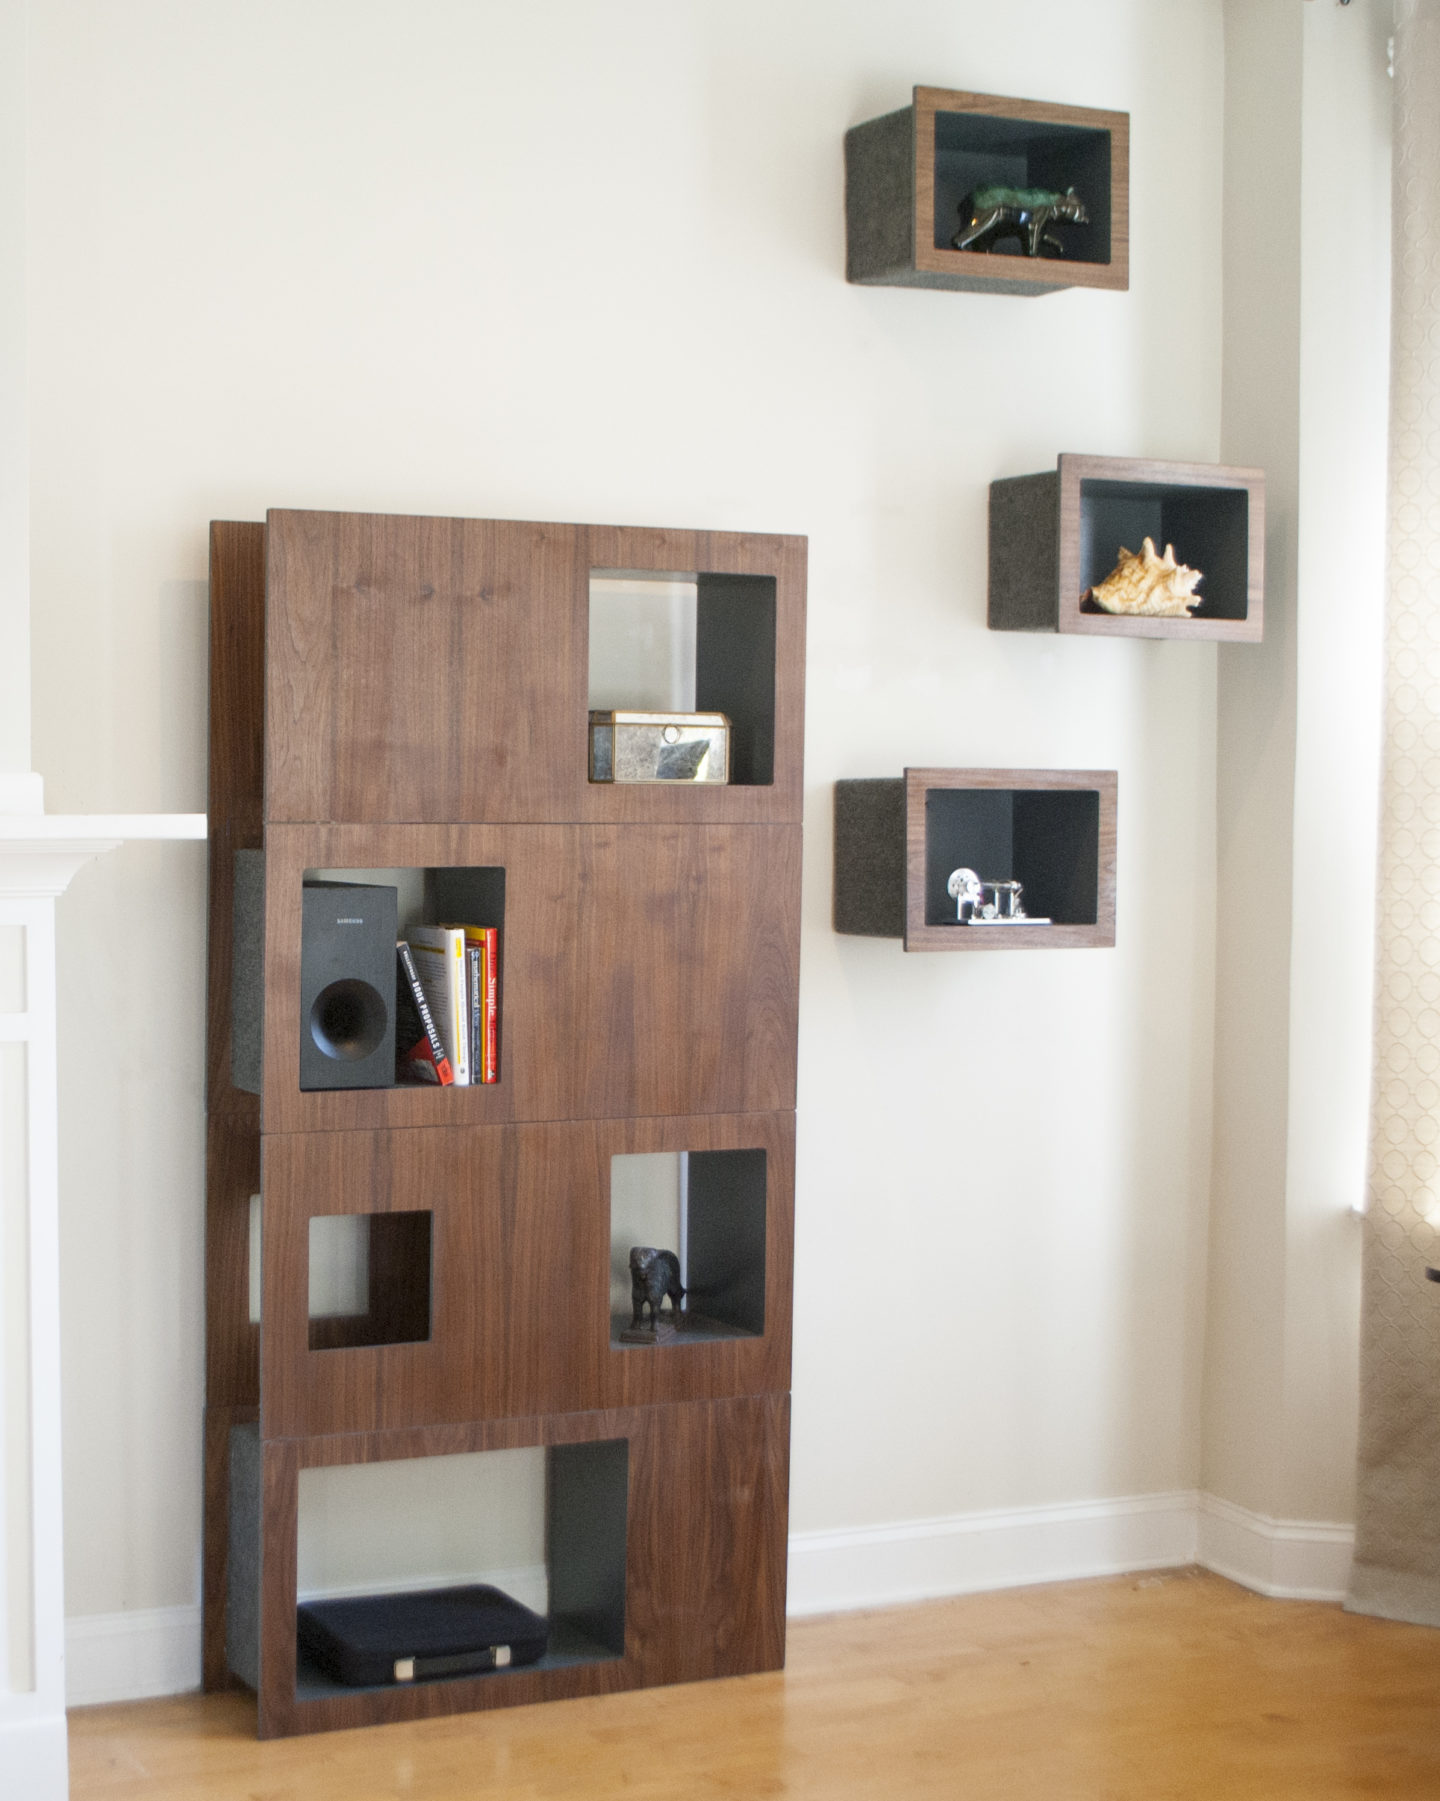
pixel 1178 1687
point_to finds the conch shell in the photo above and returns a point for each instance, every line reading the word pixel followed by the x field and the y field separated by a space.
pixel 1147 586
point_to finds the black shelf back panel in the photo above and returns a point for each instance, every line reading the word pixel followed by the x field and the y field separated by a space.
pixel 586 1509
pixel 735 668
pixel 726 1254
pixel 967 828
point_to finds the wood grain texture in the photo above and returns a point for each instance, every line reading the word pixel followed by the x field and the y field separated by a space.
pixel 1176 1685
pixel 436 669
pixel 520 1274
pixel 977 270
pixel 423 684
pixel 1072 617
pixel 234 802
pixel 705 1556
pixel 869 869
pixel 232 1340
pixel 648 970
pixel 922 937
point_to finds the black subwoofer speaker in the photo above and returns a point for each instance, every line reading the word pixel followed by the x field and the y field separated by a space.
pixel 347 986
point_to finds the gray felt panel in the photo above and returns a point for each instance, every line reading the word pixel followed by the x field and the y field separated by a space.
pixel 247 971
pixel 880 201
pixel 1024 580
pixel 870 857
pixel 242 1608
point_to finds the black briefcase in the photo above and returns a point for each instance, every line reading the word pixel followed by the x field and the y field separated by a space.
pixel 368 1640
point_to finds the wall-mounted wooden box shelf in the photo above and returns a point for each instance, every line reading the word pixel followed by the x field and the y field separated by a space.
pixel 906 174
pixel 1056 535
pixel 897 840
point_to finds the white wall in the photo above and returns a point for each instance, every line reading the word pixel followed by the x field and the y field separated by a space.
pixel 577 262
pixel 14 420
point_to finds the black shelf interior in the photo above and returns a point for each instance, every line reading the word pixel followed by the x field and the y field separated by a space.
pixel 978 149
pixel 1048 839
pixel 1209 527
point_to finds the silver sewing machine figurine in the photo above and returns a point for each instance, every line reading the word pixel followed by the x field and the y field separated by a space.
pixel 980 903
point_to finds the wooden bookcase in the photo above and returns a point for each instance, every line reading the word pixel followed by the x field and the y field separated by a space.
pixel 897 839
pixel 906 174
pixel 1055 535
pixel 411 694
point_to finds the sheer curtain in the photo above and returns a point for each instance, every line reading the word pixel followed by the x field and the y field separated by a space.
pixel 1397 1551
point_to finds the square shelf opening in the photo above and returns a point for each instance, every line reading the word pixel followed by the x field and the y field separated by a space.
pixel 1209 528
pixel 546 1525
pixel 369 1279
pixel 359 1025
pixel 982 150
pixel 689 642
pixel 1046 839
pixel 708 1209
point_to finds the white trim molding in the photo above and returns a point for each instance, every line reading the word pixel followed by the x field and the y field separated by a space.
pixel 919 1560
pixel 1292 1560
pixel 132 1656
pixel 136 1656
pixel 39 854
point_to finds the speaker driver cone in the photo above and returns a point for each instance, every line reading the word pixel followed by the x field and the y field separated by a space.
pixel 348 1020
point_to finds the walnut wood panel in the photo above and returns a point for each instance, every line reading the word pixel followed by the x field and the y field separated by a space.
pixel 922 937
pixel 436 669
pixel 1042 273
pixel 232 1341
pixel 705 1556
pixel 234 804
pixel 648 970
pixel 520 1274
pixel 1072 617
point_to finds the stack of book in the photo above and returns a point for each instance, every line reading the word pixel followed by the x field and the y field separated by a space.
pixel 449 1012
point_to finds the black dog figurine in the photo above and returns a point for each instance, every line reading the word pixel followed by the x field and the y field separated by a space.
pixel 653 1275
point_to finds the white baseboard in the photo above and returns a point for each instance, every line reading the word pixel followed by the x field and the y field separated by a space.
pixel 1293 1560
pixel 916 1560
pixel 131 1656
pixel 34 1759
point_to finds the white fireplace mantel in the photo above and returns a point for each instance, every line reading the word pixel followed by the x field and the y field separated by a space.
pixel 39 855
